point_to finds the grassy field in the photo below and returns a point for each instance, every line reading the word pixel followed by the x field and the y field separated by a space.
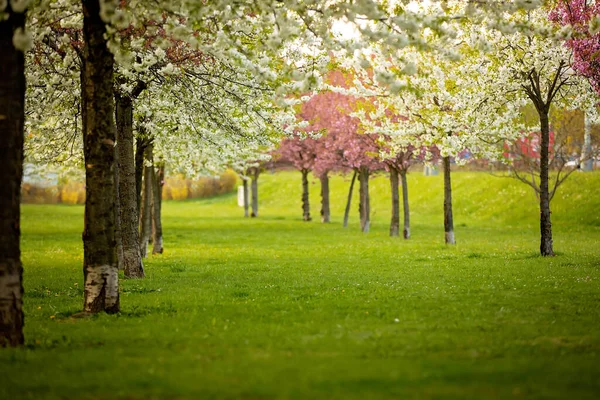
pixel 275 308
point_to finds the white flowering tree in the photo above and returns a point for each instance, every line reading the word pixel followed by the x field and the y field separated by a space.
pixel 242 35
pixel 529 69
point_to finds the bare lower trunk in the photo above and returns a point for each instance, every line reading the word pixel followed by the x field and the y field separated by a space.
pixel 140 148
pixel 157 242
pixel 146 218
pixel 119 255
pixel 246 197
pixel 348 203
pixel 406 209
pixel 305 199
pixel 365 207
pixel 395 223
pixel 12 117
pixel 254 186
pixel 128 216
pixel 448 219
pixel 99 264
pixel 545 223
pixel 325 212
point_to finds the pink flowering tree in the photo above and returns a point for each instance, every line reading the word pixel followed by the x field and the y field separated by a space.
pixel 328 113
pixel 583 17
pixel 300 151
pixel 360 152
pixel 397 165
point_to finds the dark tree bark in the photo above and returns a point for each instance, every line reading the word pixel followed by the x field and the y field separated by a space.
pixel 255 172
pixel 12 119
pixel 146 217
pixel 545 223
pixel 365 206
pixel 159 177
pixel 99 265
pixel 246 196
pixel 542 103
pixel 119 255
pixel 128 215
pixel 448 219
pixel 305 198
pixel 395 223
pixel 325 210
pixel 406 232
pixel 140 148
pixel 348 203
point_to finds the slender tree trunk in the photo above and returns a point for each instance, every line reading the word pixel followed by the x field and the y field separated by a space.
pixel 246 196
pixel 254 185
pixel 365 207
pixel 128 216
pixel 348 203
pixel 12 118
pixel 119 255
pixel 146 229
pixel 157 242
pixel 406 232
pixel 99 264
pixel 140 148
pixel 448 219
pixel 588 161
pixel 325 211
pixel 305 199
pixel 395 223
pixel 545 223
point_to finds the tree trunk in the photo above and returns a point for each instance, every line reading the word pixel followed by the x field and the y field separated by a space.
pixel 325 211
pixel 140 147
pixel 99 264
pixel 395 223
pixel 119 255
pixel 159 176
pixel 587 158
pixel 448 220
pixel 246 196
pixel 406 210
pixel 365 207
pixel 348 203
pixel 305 199
pixel 130 238
pixel 545 224
pixel 146 219
pixel 12 118
pixel 254 185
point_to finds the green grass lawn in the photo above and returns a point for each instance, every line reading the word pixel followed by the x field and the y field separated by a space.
pixel 275 308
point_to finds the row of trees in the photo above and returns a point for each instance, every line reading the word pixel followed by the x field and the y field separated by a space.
pixel 197 84
pixel 475 105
